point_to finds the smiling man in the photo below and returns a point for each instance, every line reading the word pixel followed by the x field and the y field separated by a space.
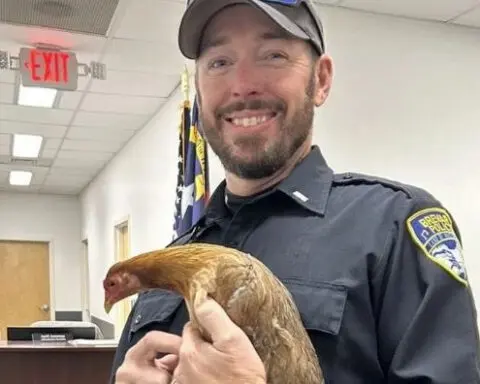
pixel 375 266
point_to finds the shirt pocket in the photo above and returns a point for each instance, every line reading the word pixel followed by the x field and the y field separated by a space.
pixel 321 304
pixel 155 306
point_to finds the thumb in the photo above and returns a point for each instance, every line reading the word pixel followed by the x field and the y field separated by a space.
pixel 216 322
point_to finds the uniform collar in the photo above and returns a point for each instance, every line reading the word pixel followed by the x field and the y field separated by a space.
pixel 308 185
pixel 310 182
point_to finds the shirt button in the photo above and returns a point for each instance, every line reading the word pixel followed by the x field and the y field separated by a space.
pixel 137 319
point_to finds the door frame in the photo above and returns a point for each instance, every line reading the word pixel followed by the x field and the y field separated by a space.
pixel 85 281
pixel 51 262
pixel 122 222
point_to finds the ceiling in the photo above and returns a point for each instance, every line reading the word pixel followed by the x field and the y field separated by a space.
pixel 458 12
pixel 87 127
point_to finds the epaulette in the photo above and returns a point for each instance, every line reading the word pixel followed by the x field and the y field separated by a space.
pixel 352 178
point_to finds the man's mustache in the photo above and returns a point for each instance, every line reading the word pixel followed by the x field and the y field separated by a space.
pixel 253 104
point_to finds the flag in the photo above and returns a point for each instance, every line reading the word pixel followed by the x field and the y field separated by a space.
pixel 193 187
pixel 183 131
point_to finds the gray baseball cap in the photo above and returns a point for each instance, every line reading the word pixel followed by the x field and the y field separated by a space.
pixel 297 17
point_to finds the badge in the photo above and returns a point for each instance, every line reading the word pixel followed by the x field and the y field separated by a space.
pixel 432 230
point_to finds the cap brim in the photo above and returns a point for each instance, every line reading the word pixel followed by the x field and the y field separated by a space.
pixel 199 13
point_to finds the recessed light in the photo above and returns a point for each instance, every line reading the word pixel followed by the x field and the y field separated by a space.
pixel 26 145
pixel 20 177
pixel 36 96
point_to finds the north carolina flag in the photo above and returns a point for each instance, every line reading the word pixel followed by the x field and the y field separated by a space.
pixel 193 188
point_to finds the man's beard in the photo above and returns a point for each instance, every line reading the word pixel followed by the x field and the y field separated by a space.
pixel 266 159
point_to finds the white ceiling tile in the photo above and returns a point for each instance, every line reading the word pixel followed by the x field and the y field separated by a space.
pixel 66 171
pixel 35 115
pixel 92 119
pixel 94 156
pixel 7 76
pixel 140 25
pixel 46 130
pixel 52 144
pixel 80 163
pixel 90 145
pixel 60 190
pixel 470 19
pixel 15 166
pixel 4 150
pixel 39 176
pixel 4 177
pixel 83 83
pixel 443 10
pixel 21 189
pixel 7 93
pixel 142 56
pixel 140 105
pixel 70 100
pixel 137 83
pixel 5 139
pixel 99 134
pixel 67 180
pixel 48 153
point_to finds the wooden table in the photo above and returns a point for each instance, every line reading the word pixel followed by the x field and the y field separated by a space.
pixel 28 363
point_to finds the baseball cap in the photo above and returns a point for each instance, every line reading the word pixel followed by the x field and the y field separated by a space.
pixel 297 17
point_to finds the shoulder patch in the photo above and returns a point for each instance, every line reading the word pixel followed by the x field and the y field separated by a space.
pixel 432 230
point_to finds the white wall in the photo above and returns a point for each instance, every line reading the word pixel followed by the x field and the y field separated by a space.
pixel 55 219
pixel 403 106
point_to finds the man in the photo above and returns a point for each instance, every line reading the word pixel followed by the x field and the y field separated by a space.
pixel 375 266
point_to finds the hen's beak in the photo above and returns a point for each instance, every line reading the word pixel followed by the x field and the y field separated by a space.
pixel 108 306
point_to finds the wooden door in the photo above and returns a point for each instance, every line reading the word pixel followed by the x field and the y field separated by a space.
pixel 24 284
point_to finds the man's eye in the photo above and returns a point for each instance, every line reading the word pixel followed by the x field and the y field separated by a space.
pixel 217 63
pixel 276 56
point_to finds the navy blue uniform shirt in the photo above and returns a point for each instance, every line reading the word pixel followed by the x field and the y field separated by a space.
pixel 375 268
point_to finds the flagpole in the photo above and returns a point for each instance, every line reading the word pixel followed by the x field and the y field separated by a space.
pixel 192 190
pixel 185 83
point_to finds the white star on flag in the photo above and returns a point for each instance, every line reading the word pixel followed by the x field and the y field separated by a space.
pixel 187 197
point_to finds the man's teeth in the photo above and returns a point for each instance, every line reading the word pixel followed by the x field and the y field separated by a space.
pixel 249 121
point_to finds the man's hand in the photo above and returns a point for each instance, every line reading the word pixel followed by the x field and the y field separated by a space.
pixel 141 365
pixel 230 358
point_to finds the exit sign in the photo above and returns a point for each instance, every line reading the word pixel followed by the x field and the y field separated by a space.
pixel 48 69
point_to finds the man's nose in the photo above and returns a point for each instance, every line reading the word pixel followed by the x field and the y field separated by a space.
pixel 246 81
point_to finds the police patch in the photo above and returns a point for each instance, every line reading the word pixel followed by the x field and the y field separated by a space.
pixel 432 230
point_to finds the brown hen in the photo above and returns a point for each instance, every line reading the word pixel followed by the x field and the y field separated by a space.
pixel 248 291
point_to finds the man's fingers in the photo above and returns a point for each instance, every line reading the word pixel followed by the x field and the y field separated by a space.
pixel 154 342
pixel 128 374
pixel 168 362
pixel 216 322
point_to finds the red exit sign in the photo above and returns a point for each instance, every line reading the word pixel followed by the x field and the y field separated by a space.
pixel 48 69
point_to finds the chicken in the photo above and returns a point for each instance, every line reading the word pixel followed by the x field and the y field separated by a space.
pixel 248 291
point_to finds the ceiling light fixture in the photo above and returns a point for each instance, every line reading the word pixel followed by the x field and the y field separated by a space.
pixel 36 96
pixel 26 146
pixel 20 178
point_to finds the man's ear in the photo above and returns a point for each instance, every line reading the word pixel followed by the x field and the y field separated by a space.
pixel 323 78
